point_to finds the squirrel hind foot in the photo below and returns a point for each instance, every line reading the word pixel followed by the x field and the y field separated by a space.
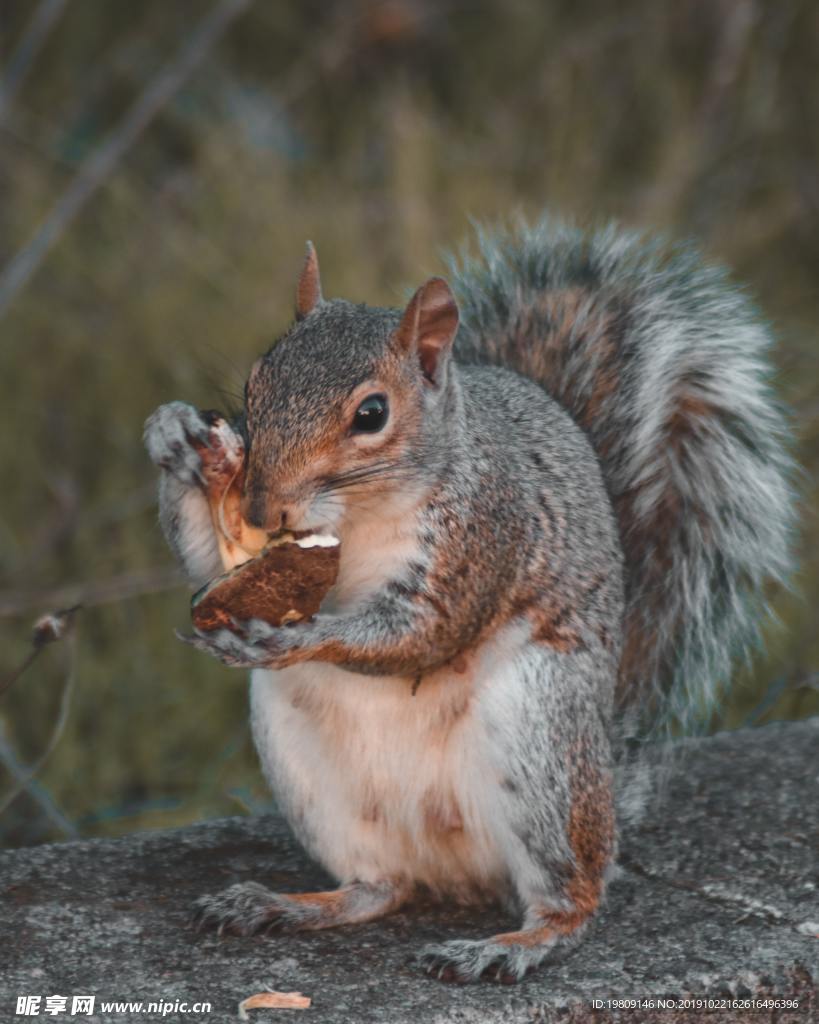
pixel 496 959
pixel 248 908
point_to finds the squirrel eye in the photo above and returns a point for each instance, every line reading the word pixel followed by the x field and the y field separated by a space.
pixel 371 415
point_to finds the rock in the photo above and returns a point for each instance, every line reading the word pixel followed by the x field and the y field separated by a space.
pixel 715 898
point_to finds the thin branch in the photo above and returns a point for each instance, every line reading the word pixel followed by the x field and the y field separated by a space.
pixel 38 793
pixel 89 595
pixel 29 773
pixel 98 166
pixel 36 33
pixel 27 662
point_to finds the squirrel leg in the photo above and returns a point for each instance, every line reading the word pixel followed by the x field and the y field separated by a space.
pixel 552 813
pixel 247 907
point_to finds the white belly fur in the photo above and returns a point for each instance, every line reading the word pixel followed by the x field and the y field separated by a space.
pixel 380 784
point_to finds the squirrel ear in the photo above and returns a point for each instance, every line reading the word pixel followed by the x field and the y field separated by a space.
pixel 308 292
pixel 429 325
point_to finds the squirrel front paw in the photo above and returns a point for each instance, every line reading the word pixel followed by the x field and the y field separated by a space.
pixel 198 448
pixel 254 643
pixel 174 435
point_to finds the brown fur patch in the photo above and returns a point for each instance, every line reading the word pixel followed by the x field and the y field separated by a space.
pixel 561 627
pixel 554 629
pixel 689 408
pixel 591 830
pixel 553 316
pixel 554 319
pixel 323 900
pixel 525 937
pixel 343 906
pixel 605 379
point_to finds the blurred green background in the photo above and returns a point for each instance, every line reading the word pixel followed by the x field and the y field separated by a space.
pixel 376 128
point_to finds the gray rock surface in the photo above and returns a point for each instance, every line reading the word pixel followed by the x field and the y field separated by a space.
pixel 718 895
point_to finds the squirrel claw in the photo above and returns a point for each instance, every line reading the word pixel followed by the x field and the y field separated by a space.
pixel 196 919
pixel 257 646
pixel 465 961
pixel 171 435
pixel 247 908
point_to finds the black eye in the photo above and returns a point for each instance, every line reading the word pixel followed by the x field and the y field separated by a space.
pixel 371 415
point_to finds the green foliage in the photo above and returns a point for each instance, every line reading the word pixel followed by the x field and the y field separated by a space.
pixel 378 129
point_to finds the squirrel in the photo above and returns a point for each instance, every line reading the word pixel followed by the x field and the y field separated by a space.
pixel 560 481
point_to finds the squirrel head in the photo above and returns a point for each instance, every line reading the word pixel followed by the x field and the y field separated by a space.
pixel 351 403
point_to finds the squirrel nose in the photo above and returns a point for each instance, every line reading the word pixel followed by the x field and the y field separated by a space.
pixel 259 511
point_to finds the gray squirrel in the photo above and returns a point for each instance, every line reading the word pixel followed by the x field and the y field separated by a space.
pixel 560 485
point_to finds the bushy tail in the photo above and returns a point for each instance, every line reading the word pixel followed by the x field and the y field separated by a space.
pixel 663 363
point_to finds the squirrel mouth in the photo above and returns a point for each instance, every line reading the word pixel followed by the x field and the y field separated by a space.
pixel 239 541
pixel 304 539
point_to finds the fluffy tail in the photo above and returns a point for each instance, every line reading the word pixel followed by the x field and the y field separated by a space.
pixel 663 363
